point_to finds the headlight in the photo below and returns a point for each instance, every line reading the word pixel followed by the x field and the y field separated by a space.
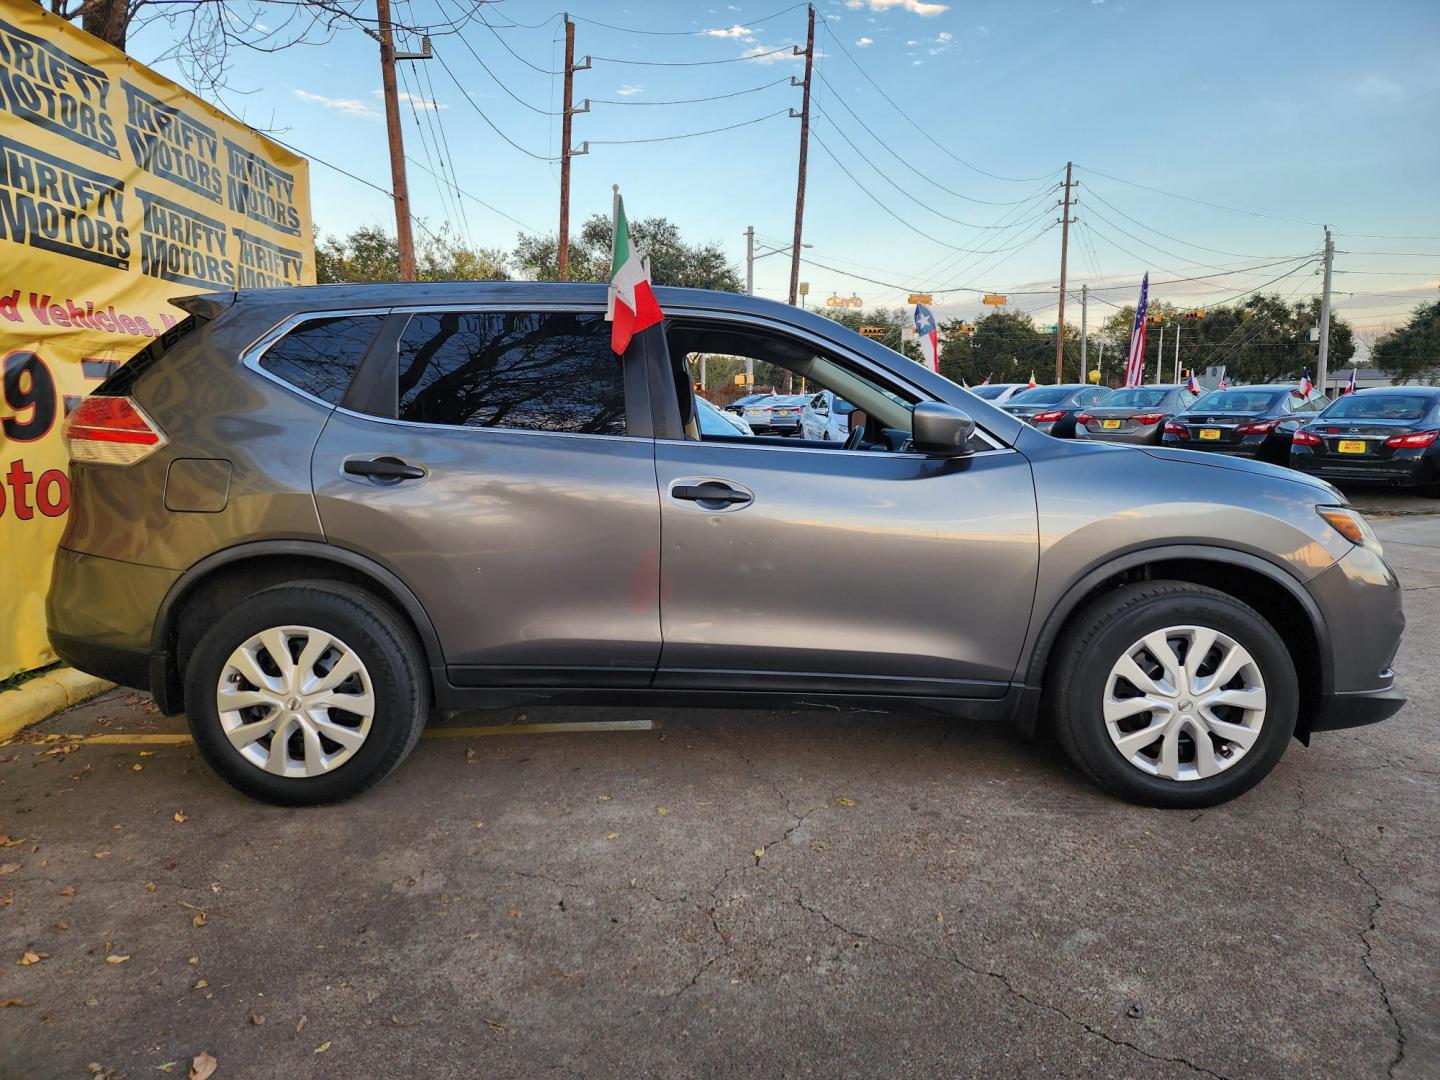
pixel 1352 526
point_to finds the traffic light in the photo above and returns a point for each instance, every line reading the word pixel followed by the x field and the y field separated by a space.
pixel 1154 320
pixel 1195 313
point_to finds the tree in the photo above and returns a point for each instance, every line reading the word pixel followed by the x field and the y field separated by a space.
pixel 672 260
pixel 1006 347
pixel 894 320
pixel 1413 351
pixel 369 253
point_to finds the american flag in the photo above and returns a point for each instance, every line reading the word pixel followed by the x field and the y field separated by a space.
pixel 1135 367
pixel 929 335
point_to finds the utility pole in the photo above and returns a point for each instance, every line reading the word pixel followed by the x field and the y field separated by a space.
pixel 1100 362
pixel 1177 351
pixel 804 115
pixel 1159 359
pixel 404 239
pixel 749 291
pixel 1324 361
pixel 562 257
pixel 1084 314
pixel 1064 253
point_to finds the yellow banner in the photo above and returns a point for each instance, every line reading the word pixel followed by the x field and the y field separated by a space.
pixel 118 190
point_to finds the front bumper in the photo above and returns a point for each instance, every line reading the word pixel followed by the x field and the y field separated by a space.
pixel 1340 711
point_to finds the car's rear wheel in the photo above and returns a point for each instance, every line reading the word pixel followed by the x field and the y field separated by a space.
pixel 1173 695
pixel 306 693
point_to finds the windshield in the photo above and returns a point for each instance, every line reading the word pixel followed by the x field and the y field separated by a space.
pixel 1379 407
pixel 1042 395
pixel 989 393
pixel 1243 401
pixel 1134 398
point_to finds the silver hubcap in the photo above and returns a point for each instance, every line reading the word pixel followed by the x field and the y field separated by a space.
pixel 1184 703
pixel 295 701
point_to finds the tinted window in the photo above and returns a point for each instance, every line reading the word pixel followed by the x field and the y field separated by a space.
pixel 1041 395
pixel 988 392
pixel 1135 398
pixel 1380 407
pixel 1237 401
pixel 536 371
pixel 320 355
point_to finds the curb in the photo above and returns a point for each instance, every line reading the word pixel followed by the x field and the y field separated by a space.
pixel 44 696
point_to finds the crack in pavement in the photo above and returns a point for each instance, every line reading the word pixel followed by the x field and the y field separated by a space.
pixel 1004 980
pixel 1376 901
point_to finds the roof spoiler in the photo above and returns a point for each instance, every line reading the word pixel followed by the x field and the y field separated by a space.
pixel 205 305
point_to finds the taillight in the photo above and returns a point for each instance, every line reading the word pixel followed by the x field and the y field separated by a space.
pixel 1172 428
pixel 1419 438
pixel 1149 418
pixel 111 431
pixel 1084 418
pixel 1304 438
pixel 1048 417
pixel 1259 427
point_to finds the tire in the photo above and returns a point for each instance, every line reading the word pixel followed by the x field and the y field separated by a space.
pixel 1091 653
pixel 389 694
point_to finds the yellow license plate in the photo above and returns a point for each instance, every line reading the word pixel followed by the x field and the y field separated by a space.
pixel 1351 446
pixel 1109 425
pixel 1210 433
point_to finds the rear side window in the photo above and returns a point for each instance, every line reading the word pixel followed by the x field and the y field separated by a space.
pixel 537 371
pixel 320 355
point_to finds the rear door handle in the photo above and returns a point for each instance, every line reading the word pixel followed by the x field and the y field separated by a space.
pixel 711 491
pixel 384 469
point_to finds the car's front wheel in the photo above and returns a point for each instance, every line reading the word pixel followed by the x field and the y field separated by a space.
pixel 1173 695
pixel 306 693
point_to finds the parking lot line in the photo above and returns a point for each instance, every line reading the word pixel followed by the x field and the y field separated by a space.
pixel 180 738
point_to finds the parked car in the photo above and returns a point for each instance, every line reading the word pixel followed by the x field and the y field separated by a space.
pixel 308 517
pixel 738 405
pixel 1052 409
pixel 1387 434
pixel 1135 414
pixel 998 393
pixel 775 414
pixel 1244 421
pixel 716 421
pixel 826 418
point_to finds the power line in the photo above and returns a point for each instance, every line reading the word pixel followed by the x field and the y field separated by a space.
pixel 1182 277
pixel 691 101
pixel 1150 228
pixel 975 168
pixel 490 123
pixel 500 38
pixel 690 134
pixel 499 81
pixel 459 190
pixel 691 63
pixel 1202 202
pixel 680 33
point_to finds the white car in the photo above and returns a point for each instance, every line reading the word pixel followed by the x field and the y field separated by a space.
pixel 998 393
pixel 714 420
pixel 826 418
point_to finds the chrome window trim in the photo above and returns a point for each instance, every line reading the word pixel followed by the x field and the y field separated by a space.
pixel 252 354
pixel 837 449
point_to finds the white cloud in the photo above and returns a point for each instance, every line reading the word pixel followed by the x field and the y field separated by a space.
pixel 944 36
pixel 912 43
pixel 1376 86
pixel 864 42
pixel 629 89
pixel 943 43
pixel 763 54
pixel 736 32
pixel 916 7
pixel 732 7
pixel 421 104
pixel 345 105
pixel 1097 1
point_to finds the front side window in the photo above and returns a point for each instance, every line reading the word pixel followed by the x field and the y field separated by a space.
pixel 320 355
pixel 535 371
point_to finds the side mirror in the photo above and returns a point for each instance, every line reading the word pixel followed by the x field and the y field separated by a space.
pixel 941 430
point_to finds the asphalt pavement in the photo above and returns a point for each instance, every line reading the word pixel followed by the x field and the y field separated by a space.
pixel 728 893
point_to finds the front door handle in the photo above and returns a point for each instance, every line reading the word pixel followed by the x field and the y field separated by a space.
pixel 711 491
pixel 390 469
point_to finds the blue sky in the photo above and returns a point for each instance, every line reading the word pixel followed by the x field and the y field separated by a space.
pixel 1316 112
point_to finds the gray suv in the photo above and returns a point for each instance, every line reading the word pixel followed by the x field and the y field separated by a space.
pixel 310 517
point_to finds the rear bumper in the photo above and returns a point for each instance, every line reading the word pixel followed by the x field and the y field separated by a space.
pixel 1146 436
pixel 1405 471
pixel 1241 449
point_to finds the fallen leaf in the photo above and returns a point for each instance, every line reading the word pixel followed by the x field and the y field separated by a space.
pixel 495 1025
pixel 92 1001
pixel 167 1067
pixel 180 817
pixel 9 867
pixel 662 810
pixel 137 766
pixel 323 1047
pixel 200 984
pixel 62 925
pixel 759 853
pixel 203 1066
pixel 299 1027
pixel 102 854
pixel 603 798
pixel 199 920
pixel 147 753
pixel 194 960
pixel 612 836
pixel 843 802
pixel 7 1003
pixel 116 958
pixel 479 824
pixel 68 890
pixel 31 958
pixel 8 841
pixel 257 1019
pixel 516 913
pixel 470 758
pixel 149 886
pixel 632 882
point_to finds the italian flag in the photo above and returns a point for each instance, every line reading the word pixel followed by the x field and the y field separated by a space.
pixel 630 306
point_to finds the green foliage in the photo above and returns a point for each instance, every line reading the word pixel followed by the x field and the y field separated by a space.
pixel 1413 351
pixel 1006 347
pixel 892 319
pixel 369 253
pixel 1262 339
pixel 672 261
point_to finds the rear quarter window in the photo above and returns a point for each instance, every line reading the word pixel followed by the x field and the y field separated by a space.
pixel 320 356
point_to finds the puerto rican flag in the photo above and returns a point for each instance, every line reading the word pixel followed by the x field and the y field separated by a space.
pixel 1193 385
pixel 630 306
pixel 929 335
pixel 1350 386
pixel 1135 366
pixel 1306 386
